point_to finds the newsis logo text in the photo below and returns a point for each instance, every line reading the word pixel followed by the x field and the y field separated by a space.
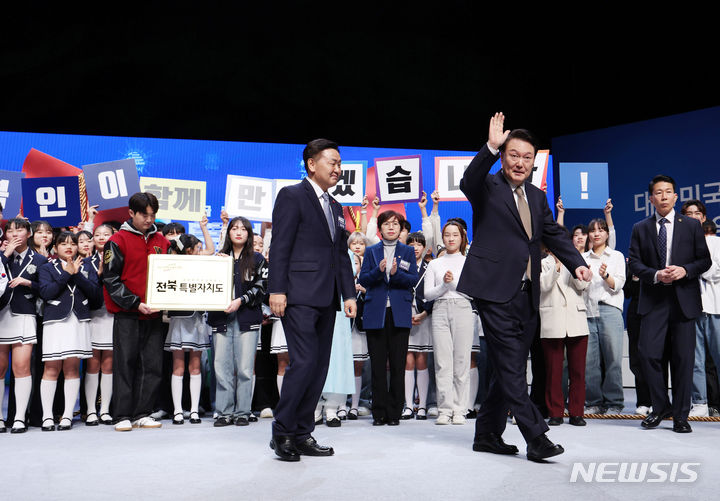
pixel 634 472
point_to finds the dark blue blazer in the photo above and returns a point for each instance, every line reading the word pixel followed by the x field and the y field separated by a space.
pixel 64 293
pixel 94 263
pixel 398 288
pixel 420 302
pixel 306 263
pixel 500 249
pixel 688 249
pixel 22 298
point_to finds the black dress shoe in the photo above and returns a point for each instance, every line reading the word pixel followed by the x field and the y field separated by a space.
pixel 223 421
pixel 681 426
pixel 309 447
pixel 284 448
pixel 541 447
pixel 252 418
pixel 471 414
pixel 18 430
pixel 352 415
pixel 333 422
pixel 242 421
pixel 393 422
pixel 652 420
pixel 577 421
pixel 555 421
pixel 379 421
pixel 492 442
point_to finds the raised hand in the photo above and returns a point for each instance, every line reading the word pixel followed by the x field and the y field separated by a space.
pixel 92 212
pixel 608 206
pixel 376 203
pixel 204 220
pixel 496 135
pixel 423 201
pixel 435 197
pixel 365 202
pixel 224 217
pixel 559 205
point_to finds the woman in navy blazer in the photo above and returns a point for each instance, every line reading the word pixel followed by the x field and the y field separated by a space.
pixel 389 273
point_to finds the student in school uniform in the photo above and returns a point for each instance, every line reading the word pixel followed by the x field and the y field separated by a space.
pixel 420 341
pixel 101 329
pixel 188 333
pixel 357 243
pixel 18 316
pixel 236 330
pixel 389 272
pixel 66 287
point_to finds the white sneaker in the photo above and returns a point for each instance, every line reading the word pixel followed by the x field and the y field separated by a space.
pixel 699 410
pixel 642 410
pixel 159 414
pixel 266 413
pixel 458 419
pixel 614 411
pixel 146 422
pixel 363 411
pixel 593 409
pixel 443 419
pixel 124 425
pixel 432 411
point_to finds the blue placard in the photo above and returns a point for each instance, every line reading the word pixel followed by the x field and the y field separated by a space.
pixel 110 185
pixel 52 199
pixel 10 192
pixel 584 185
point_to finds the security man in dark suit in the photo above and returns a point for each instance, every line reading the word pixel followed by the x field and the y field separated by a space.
pixel 511 218
pixel 310 271
pixel 668 253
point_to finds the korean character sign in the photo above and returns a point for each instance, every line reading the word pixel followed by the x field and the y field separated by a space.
pixel 190 283
pixel 398 179
pixel 53 199
pixel 177 199
pixel 448 173
pixel 350 188
pixel 111 184
pixel 10 192
pixel 250 197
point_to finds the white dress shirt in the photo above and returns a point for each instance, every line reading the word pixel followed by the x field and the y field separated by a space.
pixel 710 280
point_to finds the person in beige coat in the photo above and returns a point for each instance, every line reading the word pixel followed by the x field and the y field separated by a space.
pixel 563 325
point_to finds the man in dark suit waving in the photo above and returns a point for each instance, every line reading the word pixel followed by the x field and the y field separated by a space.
pixel 310 271
pixel 511 218
pixel 668 253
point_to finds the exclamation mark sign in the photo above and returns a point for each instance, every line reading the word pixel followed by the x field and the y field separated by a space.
pixel 583 186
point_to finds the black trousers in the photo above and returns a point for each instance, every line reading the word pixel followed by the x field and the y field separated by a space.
pixel 388 347
pixel 308 331
pixel 137 365
pixel 509 331
pixel 665 328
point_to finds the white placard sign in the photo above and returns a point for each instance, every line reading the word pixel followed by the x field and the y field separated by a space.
pixel 350 189
pixel 193 283
pixel 448 173
pixel 399 179
pixel 279 184
pixel 250 197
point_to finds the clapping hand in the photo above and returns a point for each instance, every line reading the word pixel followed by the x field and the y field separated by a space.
pixel 393 270
pixel 448 277
pixel 382 265
pixel 496 135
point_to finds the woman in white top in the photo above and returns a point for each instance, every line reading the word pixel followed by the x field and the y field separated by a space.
pixel 452 326
pixel 604 302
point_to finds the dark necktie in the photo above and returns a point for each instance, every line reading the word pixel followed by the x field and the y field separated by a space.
pixel 662 242
pixel 328 214
pixel 524 211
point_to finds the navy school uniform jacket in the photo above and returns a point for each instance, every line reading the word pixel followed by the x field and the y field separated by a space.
pixel 22 298
pixel 379 288
pixel 420 303
pixel 94 263
pixel 64 293
pixel 249 316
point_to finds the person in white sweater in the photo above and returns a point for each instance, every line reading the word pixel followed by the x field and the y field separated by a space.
pixel 452 326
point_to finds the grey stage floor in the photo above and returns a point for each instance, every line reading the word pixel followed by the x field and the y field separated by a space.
pixel 417 460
